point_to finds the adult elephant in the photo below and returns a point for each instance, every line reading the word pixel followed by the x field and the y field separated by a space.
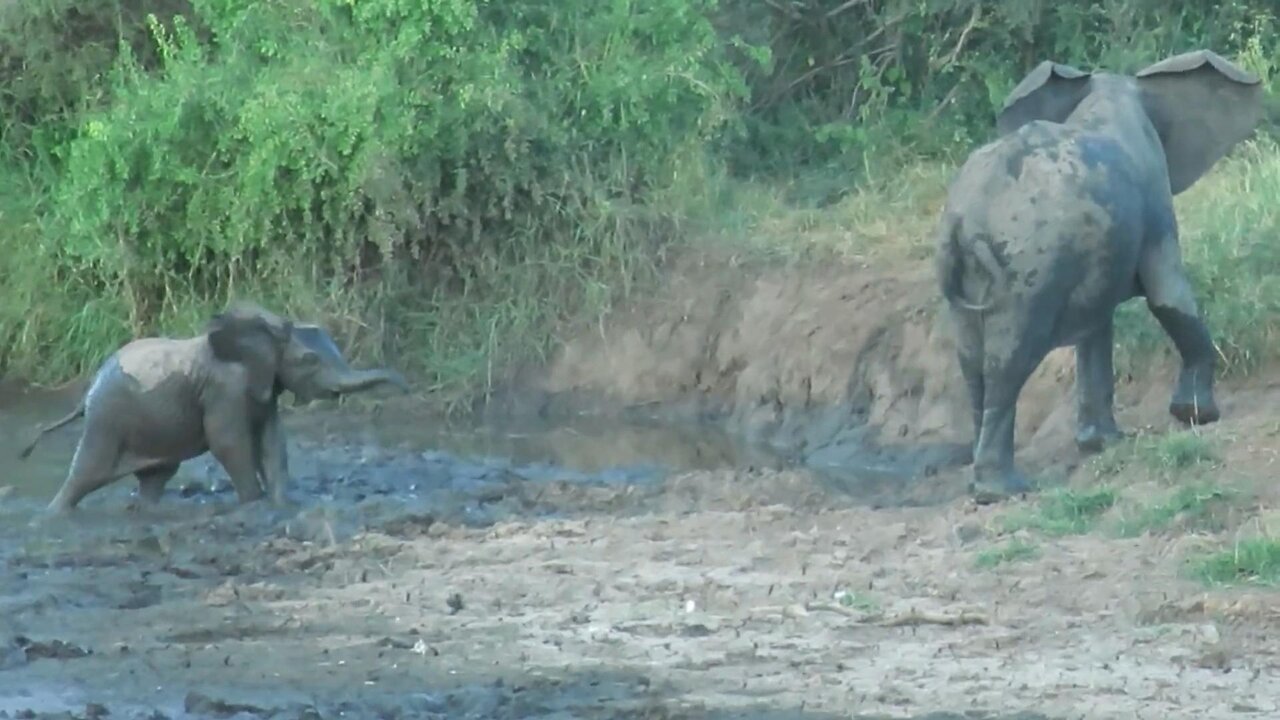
pixel 1068 214
pixel 157 402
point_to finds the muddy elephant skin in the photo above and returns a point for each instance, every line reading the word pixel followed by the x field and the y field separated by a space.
pixel 157 402
pixel 1067 214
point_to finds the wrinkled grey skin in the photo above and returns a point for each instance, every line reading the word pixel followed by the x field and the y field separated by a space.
pixel 158 402
pixel 1070 213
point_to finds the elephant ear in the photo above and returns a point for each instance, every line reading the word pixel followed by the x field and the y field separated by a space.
pixel 1201 105
pixel 254 340
pixel 318 341
pixel 1049 92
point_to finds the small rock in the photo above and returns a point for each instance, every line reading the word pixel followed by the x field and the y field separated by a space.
pixel 12 655
pixel 455 603
pixel 1208 634
pixel 95 711
pixel 795 611
pixel 968 532
pixel 391 642
pixel 202 705
pixel 194 488
pixel 52 650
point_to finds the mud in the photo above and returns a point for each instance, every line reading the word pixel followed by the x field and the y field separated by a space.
pixel 761 541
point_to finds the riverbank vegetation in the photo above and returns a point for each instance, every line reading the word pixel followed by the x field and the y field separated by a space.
pixel 451 183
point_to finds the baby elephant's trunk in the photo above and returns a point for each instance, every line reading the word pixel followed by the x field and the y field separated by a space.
pixel 353 381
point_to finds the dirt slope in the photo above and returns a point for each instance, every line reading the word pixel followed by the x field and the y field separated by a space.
pixel 823 361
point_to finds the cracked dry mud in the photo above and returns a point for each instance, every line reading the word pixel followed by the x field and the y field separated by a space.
pixel 424 585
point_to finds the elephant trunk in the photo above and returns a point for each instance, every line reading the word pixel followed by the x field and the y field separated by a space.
pixel 351 381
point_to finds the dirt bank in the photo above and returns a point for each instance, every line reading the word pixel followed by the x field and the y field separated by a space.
pixel 835 365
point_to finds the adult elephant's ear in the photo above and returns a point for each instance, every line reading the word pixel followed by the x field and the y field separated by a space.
pixel 248 340
pixel 1049 92
pixel 1201 105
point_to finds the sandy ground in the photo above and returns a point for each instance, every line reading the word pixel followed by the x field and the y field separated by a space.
pixel 424 585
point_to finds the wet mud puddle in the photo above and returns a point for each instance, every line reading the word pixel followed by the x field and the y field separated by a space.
pixel 337 457
pixel 199 607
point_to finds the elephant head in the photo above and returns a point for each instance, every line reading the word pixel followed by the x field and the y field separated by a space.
pixel 1199 104
pixel 313 368
pixel 281 355
pixel 255 338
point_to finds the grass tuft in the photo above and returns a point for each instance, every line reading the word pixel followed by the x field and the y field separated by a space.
pixel 1250 562
pixel 1015 550
pixel 1194 507
pixel 1165 453
pixel 1063 511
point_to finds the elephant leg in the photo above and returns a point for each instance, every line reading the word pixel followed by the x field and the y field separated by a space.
pixel 1095 390
pixel 151 482
pixel 1172 302
pixel 1005 372
pixel 93 466
pixel 274 459
pixel 969 353
pixel 231 443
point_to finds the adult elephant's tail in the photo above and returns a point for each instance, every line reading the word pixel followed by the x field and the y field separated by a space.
pixel 951 266
pixel 73 415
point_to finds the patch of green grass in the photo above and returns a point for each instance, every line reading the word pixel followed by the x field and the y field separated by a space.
pixel 1164 453
pixel 1015 550
pixel 1249 562
pixel 1198 507
pixel 1064 511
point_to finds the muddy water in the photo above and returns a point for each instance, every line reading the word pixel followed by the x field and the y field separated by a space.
pixel 84 601
pixel 396 452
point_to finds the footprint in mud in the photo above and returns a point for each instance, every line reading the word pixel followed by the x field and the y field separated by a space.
pixel 21 650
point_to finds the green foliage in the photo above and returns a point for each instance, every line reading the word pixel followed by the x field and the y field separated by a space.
pixel 360 159
pixel 1015 550
pixel 1064 511
pixel 452 181
pixel 1250 562
pixel 1200 506
pixel 1165 453
pixel 927 76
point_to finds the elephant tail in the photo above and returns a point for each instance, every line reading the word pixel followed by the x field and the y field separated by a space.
pixel 66 420
pixel 951 268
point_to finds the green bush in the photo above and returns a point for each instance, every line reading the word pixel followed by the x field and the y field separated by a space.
pixel 334 156
pixel 844 80
pixel 451 181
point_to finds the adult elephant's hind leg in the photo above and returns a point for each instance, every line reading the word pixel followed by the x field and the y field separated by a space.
pixel 968 339
pixel 151 482
pixel 1172 302
pixel 1014 350
pixel 1095 390
pixel 93 466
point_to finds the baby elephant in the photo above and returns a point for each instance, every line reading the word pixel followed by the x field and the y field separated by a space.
pixel 157 402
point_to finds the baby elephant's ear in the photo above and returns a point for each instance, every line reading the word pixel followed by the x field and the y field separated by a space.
pixel 1201 105
pixel 249 341
pixel 318 340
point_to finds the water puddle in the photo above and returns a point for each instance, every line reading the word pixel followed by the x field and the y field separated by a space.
pixel 341 456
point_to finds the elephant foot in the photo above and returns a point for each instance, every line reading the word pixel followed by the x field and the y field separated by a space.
pixel 1195 413
pixel 1193 402
pixel 992 486
pixel 1093 439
